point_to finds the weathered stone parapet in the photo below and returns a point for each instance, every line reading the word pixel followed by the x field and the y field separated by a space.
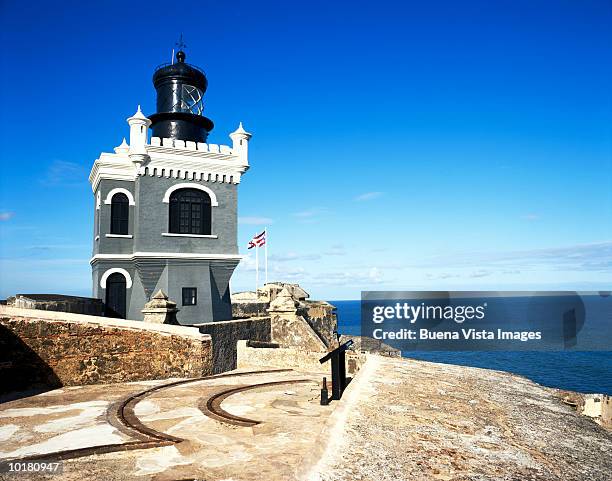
pixel 245 309
pixel 454 423
pixel 270 291
pixel 51 349
pixel 289 301
pixel 596 406
pixel 321 316
pixel 160 310
pixel 284 303
pixel 290 330
pixel 225 335
pixel 293 358
pixel 58 302
pixel 368 344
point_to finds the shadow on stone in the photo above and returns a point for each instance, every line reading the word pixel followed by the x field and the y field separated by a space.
pixel 24 373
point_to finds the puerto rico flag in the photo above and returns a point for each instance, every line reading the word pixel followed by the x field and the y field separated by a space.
pixel 258 240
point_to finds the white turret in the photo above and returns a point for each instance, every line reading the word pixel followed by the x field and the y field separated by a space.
pixel 240 146
pixel 139 127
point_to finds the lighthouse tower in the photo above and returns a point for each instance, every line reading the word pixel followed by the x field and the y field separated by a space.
pixel 166 208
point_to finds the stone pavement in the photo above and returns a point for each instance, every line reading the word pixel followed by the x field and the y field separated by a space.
pixel 399 420
pixel 256 425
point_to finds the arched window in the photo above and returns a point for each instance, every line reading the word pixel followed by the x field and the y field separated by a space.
pixel 120 214
pixel 190 212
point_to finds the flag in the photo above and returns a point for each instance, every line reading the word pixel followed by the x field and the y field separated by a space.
pixel 258 240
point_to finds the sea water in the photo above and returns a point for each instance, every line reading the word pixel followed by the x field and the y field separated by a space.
pixel 588 372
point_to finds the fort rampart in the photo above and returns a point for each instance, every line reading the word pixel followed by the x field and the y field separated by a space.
pixel 43 349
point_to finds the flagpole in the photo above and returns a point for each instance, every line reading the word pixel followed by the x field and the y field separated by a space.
pixel 266 252
pixel 256 267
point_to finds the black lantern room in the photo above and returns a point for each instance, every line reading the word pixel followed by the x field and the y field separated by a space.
pixel 180 91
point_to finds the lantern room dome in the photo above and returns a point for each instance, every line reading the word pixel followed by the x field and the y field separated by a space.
pixel 181 72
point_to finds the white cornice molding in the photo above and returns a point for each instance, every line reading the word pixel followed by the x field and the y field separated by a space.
pixel 193 172
pixel 164 255
pixel 213 163
pixel 112 166
pixel 213 151
pixel 187 164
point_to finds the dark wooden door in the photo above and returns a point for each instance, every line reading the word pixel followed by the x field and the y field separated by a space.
pixel 115 296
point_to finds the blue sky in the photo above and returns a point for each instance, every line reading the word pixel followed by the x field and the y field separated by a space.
pixel 397 145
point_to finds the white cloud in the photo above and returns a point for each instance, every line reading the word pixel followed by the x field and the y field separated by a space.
pixel 336 250
pixel 305 213
pixel 255 220
pixel 6 215
pixel 293 256
pixel 247 263
pixel 440 276
pixel 354 278
pixel 375 275
pixel 480 273
pixel 368 196
pixel 310 213
pixel 596 256
pixel 282 273
pixel 64 174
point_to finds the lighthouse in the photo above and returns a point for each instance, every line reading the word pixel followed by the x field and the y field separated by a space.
pixel 166 206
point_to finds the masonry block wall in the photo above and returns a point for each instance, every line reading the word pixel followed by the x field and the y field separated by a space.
pixel 226 334
pixel 51 349
pixel 58 302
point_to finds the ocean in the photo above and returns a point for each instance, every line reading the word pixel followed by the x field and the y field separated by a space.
pixel 587 372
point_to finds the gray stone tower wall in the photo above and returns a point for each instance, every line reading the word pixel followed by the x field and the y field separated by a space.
pixel 155 261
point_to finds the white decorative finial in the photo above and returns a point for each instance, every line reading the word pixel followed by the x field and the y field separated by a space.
pixel 124 147
pixel 138 115
pixel 240 131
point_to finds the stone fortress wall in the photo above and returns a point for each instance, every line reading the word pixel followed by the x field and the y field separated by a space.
pixel 252 355
pixel 44 349
pixel 226 334
pixel 278 299
pixel 55 302
pixel 277 316
pixel 596 406
pixel 277 326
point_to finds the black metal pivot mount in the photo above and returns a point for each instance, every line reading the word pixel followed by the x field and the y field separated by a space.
pixel 324 393
pixel 338 368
